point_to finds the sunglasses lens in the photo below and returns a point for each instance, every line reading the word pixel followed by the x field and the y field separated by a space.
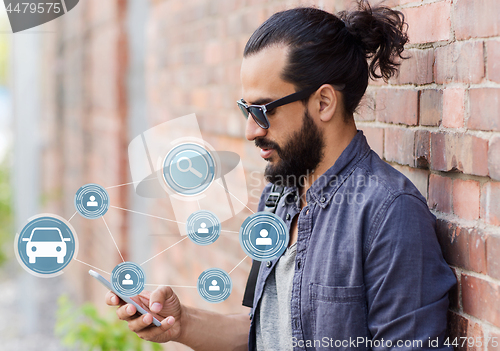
pixel 243 110
pixel 259 117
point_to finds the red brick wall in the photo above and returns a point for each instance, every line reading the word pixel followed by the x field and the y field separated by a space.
pixel 438 122
pixel 84 130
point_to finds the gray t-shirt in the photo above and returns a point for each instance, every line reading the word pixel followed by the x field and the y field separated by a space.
pixel 273 319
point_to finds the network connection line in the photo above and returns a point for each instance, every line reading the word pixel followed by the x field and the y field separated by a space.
pixel 125 184
pixel 230 231
pixel 231 271
pixel 164 250
pixel 74 214
pixel 113 239
pixel 172 286
pixel 234 197
pixel 76 259
pixel 145 214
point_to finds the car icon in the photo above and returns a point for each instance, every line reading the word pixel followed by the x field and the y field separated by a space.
pixel 46 242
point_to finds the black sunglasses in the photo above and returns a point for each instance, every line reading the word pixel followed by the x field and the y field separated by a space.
pixel 259 112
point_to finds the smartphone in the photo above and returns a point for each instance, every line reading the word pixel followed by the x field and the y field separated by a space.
pixel 126 299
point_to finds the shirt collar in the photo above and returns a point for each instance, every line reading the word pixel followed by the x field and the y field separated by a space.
pixel 327 184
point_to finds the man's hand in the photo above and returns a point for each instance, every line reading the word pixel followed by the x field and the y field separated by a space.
pixel 164 305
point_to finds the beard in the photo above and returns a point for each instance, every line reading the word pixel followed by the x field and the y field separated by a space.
pixel 298 157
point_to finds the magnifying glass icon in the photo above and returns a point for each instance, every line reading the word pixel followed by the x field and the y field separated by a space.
pixel 189 167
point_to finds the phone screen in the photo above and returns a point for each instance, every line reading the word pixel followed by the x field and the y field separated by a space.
pixel 126 299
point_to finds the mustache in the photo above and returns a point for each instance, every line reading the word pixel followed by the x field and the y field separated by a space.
pixel 266 144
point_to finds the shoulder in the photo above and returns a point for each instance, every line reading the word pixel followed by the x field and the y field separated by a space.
pixel 382 178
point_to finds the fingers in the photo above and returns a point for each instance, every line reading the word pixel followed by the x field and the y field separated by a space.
pixel 113 300
pixel 126 312
pixel 159 297
pixel 144 328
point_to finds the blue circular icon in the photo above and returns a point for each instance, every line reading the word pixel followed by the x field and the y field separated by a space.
pixel 189 169
pixel 92 201
pixel 128 279
pixel 214 285
pixel 264 236
pixel 46 245
pixel 203 227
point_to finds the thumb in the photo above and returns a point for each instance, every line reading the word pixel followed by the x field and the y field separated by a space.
pixel 158 298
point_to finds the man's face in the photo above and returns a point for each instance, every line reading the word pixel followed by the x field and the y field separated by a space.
pixel 293 144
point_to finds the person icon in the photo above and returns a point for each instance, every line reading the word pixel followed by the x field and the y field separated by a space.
pixel 263 240
pixel 127 280
pixel 214 286
pixel 203 228
pixel 92 202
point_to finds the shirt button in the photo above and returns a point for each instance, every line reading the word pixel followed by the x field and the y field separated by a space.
pixel 323 199
pixel 307 211
pixel 269 264
pixel 288 216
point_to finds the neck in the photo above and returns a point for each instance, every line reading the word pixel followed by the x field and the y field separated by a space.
pixel 336 140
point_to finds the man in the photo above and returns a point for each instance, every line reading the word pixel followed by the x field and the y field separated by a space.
pixel 363 268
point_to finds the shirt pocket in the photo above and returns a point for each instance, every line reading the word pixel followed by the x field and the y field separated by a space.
pixel 339 313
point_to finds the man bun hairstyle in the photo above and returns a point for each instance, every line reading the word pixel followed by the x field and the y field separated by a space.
pixel 329 49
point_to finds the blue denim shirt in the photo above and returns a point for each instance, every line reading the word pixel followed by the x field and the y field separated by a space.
pixel 368 267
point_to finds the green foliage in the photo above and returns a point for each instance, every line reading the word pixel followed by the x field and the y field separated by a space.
pixel 84 329
pixel 6 214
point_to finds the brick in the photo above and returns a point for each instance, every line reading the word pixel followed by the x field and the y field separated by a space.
pixel 492 256
pixel 397 106
pixel 494 157
pixel 431 107
pixel 417 69
pixel 494 342
pixel 490 203
pixel 481 299
pixel 422 148
pixel 453 107
pixel 366 108
pixel 462 247
pixel 475 19
pixel 375 138
pixel 399 145
pixel 459 152
pixel 470 332
pixel 493 52
pixel 454 293
pixel 440 193
pixel 429 23
pixel 484 109
pixel 419 177
pixel 213 53
pixel 457 328
pixel 392 3
pixel 466 198
pixel 459 62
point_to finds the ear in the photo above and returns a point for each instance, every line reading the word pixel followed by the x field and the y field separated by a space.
pixel 328 102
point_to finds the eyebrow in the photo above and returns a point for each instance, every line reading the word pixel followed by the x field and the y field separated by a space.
pixel 261 101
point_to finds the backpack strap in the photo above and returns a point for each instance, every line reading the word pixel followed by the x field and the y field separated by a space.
pixel 271 204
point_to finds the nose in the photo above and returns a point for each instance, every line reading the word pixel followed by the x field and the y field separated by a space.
pixel 252 130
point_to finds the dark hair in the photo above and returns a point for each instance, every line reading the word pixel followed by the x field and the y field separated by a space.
pixel 329 49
